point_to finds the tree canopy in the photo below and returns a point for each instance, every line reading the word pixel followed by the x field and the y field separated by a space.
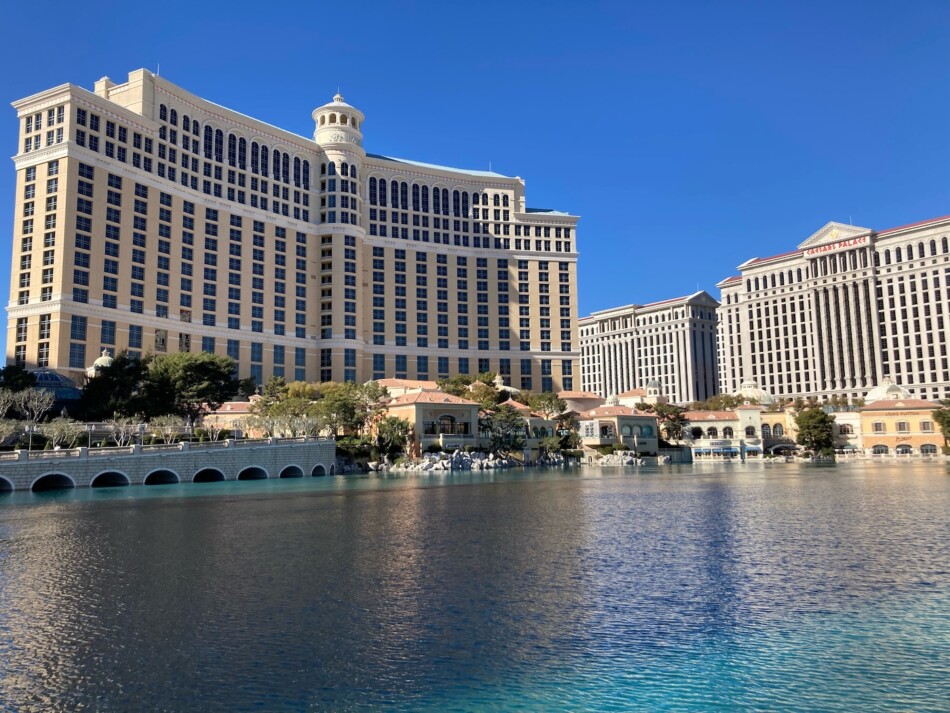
pixel 815 429
pixel 190 384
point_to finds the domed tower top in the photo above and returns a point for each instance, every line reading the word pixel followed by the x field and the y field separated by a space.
pixel 338 123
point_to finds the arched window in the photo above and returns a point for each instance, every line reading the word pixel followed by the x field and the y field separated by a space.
pixel 928 449
pixel 285 167
pixel 185 123
pixel 696 432
pixel 504 201
pixel 242 153
pixel 625 430
pixel 306 175
pixel 748 285
pixel 331 169
pixel 255 156
pixel 219 145
pixel 712 432
pixel 209 142
pixel 845 429
pixel 766 431
pixel 798 275
pixel 781 279
pixel 415 196
pixel 404 195
pixel 332 118
pixel 778 430
pixel 425 199
pixel 456 203
pixel 496 199
pixel 445 201
pixel 265 160
pixel 162 113
pixel 232 150
pixel 877 259
pixel 464 204
pixel 343 120
pixel 904 450
pixel 436 204
pixel 353 171
pixel 382 191
pixel 646 430
pixel 297 168
pixel 474 199
pixel 195 129
pixel 933 247
pixel 174 117
pixel 345 169
pixel 897 254
pixel 757 283
pixel 727 432
pixel 394 193
pixel 372 191
pixel 887 257
pixel 750 431
pixel 879 450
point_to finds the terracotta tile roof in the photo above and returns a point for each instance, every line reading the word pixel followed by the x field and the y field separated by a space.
pixel 516 405
pixel 408 384
pixel 429 397
pixel 578 395
pixel 632 392
pixel 603 411
pixel 711 416
pixel 914 225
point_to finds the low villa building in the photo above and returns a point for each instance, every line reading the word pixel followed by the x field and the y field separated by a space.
pixel 613 424
pixel 895 423
pixel 438 419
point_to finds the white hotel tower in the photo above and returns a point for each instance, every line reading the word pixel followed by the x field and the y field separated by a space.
pixel 845 310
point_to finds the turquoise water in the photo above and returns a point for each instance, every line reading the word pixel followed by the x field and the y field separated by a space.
pixel 786 587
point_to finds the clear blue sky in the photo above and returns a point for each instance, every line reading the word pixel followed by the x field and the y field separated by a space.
pixel 689 136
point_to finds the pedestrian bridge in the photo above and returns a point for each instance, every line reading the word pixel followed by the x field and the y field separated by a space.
pixel 249 459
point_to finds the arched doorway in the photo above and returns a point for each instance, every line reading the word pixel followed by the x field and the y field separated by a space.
pixel 253 473
pixel 318 470
pixel 904 450
pixel 110 479
pixel 879 450
pixel 52 481
pixel 208 475
pixel 161 477
pixel 291 471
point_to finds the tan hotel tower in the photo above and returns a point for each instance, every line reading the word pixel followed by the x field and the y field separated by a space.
pixel 152 220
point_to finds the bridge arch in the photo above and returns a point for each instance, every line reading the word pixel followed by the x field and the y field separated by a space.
pixel 291 471
pixel 208 475
pixel 318 470
pixel 6 486
pixel 109 479
pixel 161 476
pixel 52 481
pixel 253 472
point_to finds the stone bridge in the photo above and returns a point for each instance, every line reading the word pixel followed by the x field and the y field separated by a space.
pixel 205 462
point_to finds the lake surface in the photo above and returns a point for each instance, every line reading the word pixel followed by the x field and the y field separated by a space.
pixel 752 587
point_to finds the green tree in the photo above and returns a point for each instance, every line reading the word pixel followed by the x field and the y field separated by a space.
pixel 62 432
pixel 548 404
pixel 672 420
pixel 340 408
pixel 719 402
pixel 117 390
pixel 457 385
pixel 371 400
pixel 815 429
pixel 484 395
pixel 393 436
pixel 168 427
pixel 16 378
pixel 506 429
pixel 942 417
pixel 190 384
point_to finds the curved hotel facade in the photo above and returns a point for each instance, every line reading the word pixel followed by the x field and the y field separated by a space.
pixel 152 220
pixel 849 308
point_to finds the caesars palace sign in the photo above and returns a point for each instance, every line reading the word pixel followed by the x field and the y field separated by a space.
pixel 835 247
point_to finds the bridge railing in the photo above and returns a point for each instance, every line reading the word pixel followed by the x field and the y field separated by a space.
pixel 135 449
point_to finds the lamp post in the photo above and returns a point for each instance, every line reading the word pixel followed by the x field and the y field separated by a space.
pixel 190 426
pixel 29 428
pixel 89 429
